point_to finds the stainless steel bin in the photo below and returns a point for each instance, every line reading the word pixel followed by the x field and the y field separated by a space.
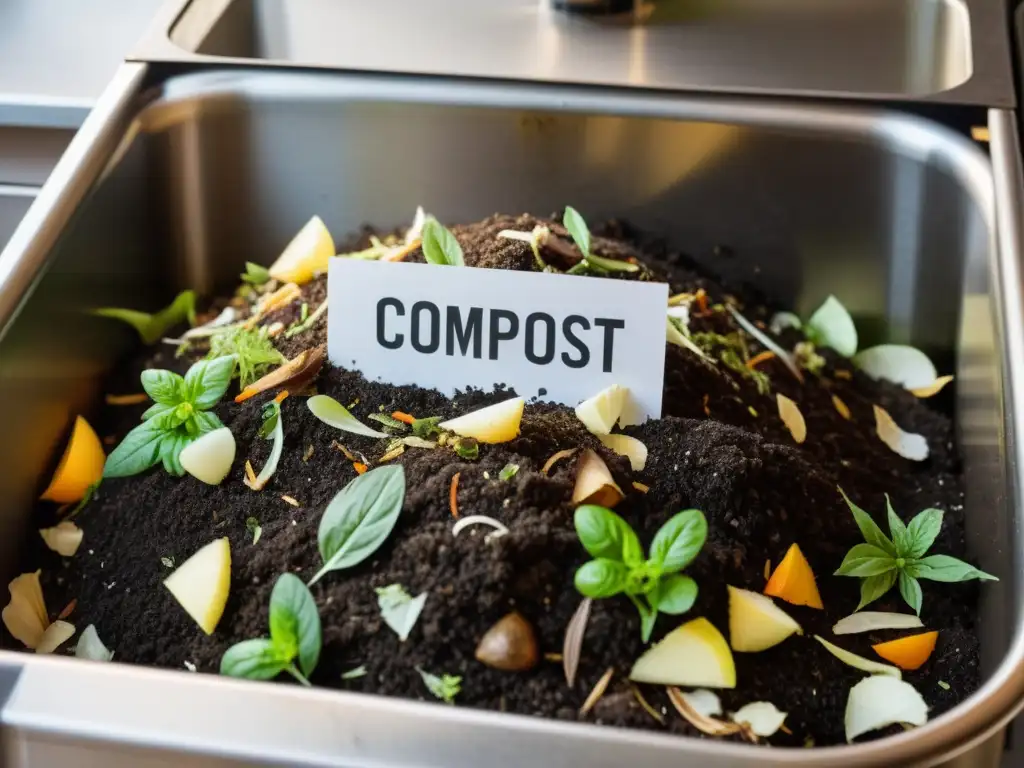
pixel 177 182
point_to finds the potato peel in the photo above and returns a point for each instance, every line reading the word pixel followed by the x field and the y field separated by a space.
pixel 791 416
pixel 909 445
pixel 25 615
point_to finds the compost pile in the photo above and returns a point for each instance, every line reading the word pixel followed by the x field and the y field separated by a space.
pixel 721 448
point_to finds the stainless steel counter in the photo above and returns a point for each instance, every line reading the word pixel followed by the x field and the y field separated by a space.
pixel 56 56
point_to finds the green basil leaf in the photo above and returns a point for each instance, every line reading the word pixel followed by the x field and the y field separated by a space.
pixel 601 578
pixel 399 609
pixel 922 532
pixel 577 228
pixel 295 621
pixel 679 540
pixel 869 528
pixel 159 409
pixel 334 414
pixel 675 594
pixel 865 560
pixel 271 414
pixel 445 687
pixel 208 380
pixel 360 518
pixel 832 326
pixel 206 421
pixel 151 327
pixel 606 535
pixel 897 529
pixel 139 451
pixel 253 659
pixel 255 274
pixel 873 587
pixel 911 591
pixel 946 569
pixel 440 245
pixel 164 387
pixel 648 617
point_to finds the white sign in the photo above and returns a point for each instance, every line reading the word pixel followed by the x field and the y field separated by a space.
pixel 557 337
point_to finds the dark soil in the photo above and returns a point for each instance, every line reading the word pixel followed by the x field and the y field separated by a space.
pixel 720 448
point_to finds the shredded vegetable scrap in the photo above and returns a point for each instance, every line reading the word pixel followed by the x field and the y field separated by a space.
pixel 555 458
pixel 289 500
pixel 465 522
pixel 841 407
pixel 761 357
pixel 405 418
pixel 641 487
pixel 359 467
pixel 136 399
pixel 344 451
pixel 598 692
pixel 453 492
pixel 658 717
pixel 572 646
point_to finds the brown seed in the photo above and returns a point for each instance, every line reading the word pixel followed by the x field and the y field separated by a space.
pixel 509 645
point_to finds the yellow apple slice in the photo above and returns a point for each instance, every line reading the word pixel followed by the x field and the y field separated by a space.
pixel 756 623
pixel 80 467
pixel 693 655
pixel 627 446
pixel 201 584
pixel 309 252
pixel 209 458
pixel 497 423
pixel 600 412
pixel 594 483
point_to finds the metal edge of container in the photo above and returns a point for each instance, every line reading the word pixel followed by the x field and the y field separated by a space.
pixel 991 83
pixel 117 706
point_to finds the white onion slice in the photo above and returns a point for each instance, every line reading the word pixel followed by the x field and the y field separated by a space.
pixel 859 662
pixel 909 445
pixel 210 456
pixel 763 717
pixel 703 702
pixel 899 363
pixel 91 647
pixel 879 701
pixel 790 414
pixel 465 522
pixel 275 456
pixel 869 621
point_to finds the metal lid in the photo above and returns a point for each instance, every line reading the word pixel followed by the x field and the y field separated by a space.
pixel 953 51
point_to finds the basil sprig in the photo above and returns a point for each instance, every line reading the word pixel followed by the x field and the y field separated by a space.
pixel 883 561
pixel 440 245
pixel 151 327
pixel 179 415
pixel 577 227
pixel 654 584
pixel 294 634
pixel 360 518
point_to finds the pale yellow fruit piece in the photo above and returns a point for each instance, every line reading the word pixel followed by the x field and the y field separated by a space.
pixel 201 584
pixel 693 655
pixel 494 424
pixel 756 623
pixel 594 483
pixel 64 538
pixel 55 636
pixel 210 457
pixel 309 252
pixel 25 615
pixel 627 446
pixel 600 412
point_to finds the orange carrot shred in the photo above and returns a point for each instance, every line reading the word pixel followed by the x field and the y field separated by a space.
pixel 405 418
pixel 756 360
pixel 68 609
pixel 138 399
pixel 453 501
pixel 249 473
pixel 702 301
pixel 707 410
pixel 359 467
pixel 281 396
pixel 245 394
pixel 908 652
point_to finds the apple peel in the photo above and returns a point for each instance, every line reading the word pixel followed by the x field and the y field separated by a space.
pixel 909 445
pixel 870 621
pixel 791 416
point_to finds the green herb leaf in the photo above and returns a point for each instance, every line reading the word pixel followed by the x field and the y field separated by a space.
pixel 873 587
pixel 360 518
pixel 911 591
pixel 389 421
pixel 354 674
pixel 946 569
pixel 255 274
pixel 253 660
pixel 675 594
pixel 152 327
pixel 399 609
pixel 271 414
pixel 869 529
pixel 897 529
pixel 336 415
pixel 467 448
pixel 139 451
pixel 605 535
pixel 295 622
pixel 508 472
pixel 166 388
pixel 207 381
pixel 445 687
pixel 832 326
pixel 254 352
pixel 171 446
pixel 611 265
pixel 648 618
pixel 679 540
pixel 206 421
pixel 252 525
pixel 440 245
pixel 601 577
pixel 427 427
pixel 922 532
pixel 577 228
pixel 865 560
